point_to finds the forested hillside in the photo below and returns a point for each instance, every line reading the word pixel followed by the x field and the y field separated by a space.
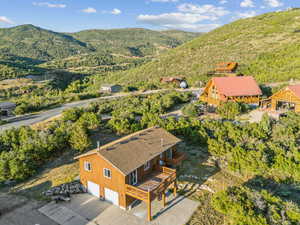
pixel 266 46
pixel 24 48
pixel 39 44
pixel 133 42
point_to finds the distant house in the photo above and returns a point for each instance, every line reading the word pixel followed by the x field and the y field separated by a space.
pixel 110 88
pixel 7 108
pixel 238 89
pixel 286 99
pixel 226 67
pixel 132 168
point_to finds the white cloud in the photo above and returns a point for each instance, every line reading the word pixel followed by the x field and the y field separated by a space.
pixel 189 17
pixel 247 14
pixel 172 18
pixel 89 10
pixel 164 0
pixel 4 19
pixel 223 2
pixel 247 3
pixel 49 5
pixel 208 10
pixel 274 3
pixel 116 11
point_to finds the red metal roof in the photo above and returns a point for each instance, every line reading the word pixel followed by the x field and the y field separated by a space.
pixel 237 86
pixel 295 89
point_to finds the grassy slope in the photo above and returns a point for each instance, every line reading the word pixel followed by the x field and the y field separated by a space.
pixel 133 41
pixel 37 43
pixel 266 46
pixel 23 48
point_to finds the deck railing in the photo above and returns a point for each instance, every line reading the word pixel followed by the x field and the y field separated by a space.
pixel 177 158
pixel 136 192
pixel 209 100
pixel 164 185
pixel 143 195
pixel 168 170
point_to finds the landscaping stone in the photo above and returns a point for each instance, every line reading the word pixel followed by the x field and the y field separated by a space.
pixel 74 187
pixel 205 187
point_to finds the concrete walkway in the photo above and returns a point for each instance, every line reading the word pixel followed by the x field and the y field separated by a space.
pixel 63 215
pixel 86 209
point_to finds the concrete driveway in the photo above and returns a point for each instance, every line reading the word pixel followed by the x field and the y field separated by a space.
pixel 17 210
pixel 86 209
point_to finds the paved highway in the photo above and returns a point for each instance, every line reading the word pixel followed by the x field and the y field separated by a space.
pixel 30 119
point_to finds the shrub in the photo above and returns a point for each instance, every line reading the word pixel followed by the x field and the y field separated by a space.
pixel 79 139
pixel 229 110
pixel 193 109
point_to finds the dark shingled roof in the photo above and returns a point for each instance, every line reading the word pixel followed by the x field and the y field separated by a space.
pixel 237 86
pixel 133 151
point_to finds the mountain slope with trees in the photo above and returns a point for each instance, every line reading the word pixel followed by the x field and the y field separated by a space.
pixel 23 48
pixel 133 41
pixel 266 46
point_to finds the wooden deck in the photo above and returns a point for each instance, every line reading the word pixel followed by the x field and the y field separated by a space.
pixel 178 157
pixel 153 181
pixel 153 185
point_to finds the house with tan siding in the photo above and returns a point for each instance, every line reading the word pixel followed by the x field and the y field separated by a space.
pixel 237 89
pixel 286 99
pixel 139 166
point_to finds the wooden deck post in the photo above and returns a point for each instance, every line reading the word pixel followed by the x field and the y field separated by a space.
pixel 149 211
pixel 175 188
pixel 149 206
pixel 164 199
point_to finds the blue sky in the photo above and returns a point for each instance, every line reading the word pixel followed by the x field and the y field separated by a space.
pixel 190 15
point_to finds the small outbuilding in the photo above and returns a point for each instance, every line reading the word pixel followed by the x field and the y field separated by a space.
pixel 110 88
pixel 287 99
pixel 238 89
pixel 7 108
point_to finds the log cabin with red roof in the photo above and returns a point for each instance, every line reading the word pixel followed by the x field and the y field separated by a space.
pixel 238 89
pixel 287 99
pixel 139 166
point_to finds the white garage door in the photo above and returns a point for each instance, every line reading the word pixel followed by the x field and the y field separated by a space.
pixel 94 189
pixel 111 196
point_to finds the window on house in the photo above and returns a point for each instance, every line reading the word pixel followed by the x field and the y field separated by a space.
pixel 107 173
pixel 170 154
pixel 147 165
pixel 133 178
pixel 161 155
pixel 87 166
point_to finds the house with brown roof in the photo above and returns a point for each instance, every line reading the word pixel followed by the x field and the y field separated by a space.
pixel 287 99
pixel 139 166
pixel 238 89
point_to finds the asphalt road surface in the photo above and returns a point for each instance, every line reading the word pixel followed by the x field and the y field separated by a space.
pixel 30 119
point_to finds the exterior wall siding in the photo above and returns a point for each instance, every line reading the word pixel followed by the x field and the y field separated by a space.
pixel 116 183
pixel 118 180
pixel 285 96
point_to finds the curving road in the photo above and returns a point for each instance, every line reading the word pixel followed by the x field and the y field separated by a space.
pixel 30 119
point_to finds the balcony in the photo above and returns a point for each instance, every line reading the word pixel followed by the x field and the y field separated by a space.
pixel 155 184
pixel 177 158
pixel 209 100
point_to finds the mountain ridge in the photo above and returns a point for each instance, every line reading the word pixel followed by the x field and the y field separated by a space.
pixel 266 46
pixel 42 45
